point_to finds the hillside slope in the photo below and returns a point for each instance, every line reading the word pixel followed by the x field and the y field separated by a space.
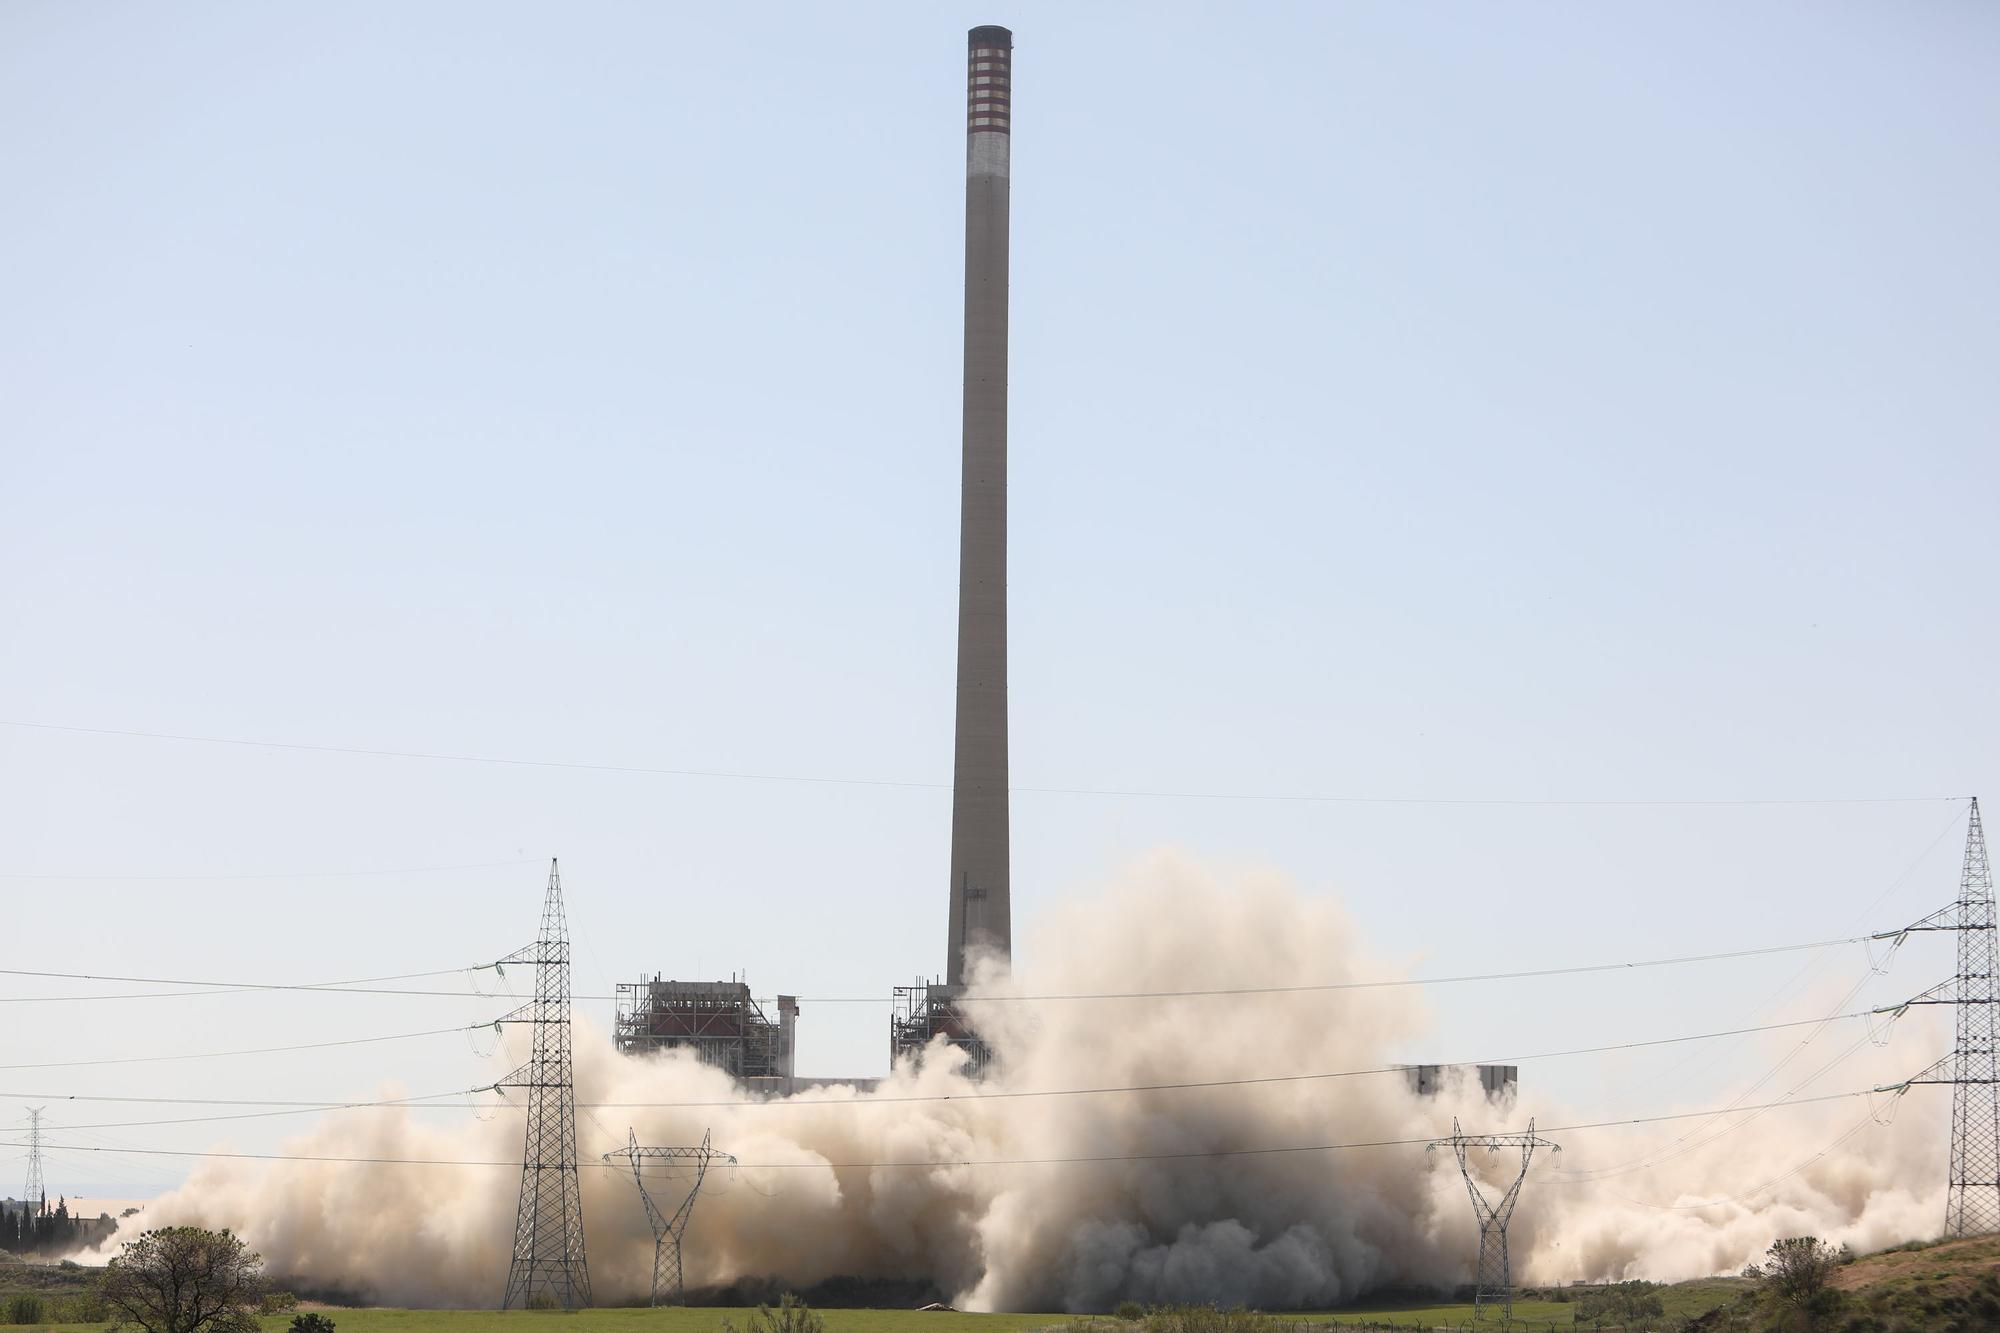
pixel 1941 1287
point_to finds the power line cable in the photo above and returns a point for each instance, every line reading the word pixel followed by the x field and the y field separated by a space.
pixel 1700 1060
pixel 438 1101
pixel 355 986
pixel 359 988
pixel 1577 970
pixel 1693 1142
pixel 1189 1155
pixel 1674 1149
pixel 823 780
pixel 322 1104
pixel 254 1050
pixel 465 1104
pixel 204 878
pixel 1867 1118
pixel 249 985
pixel 1192 1084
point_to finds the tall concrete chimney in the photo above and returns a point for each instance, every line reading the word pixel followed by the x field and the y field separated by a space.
pixel 981 916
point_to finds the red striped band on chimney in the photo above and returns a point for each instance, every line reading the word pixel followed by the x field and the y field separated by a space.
pixel 988 83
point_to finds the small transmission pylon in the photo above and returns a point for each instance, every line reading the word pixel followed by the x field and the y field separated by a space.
pixel 1494 1287
pixel 669 1229
pixel 548 1226
pixel 36 1192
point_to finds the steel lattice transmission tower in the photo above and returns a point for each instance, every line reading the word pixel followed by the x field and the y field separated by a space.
pixel 1972 1196
pixel 36 1192
pixel 548 1228
pixel 1495 1285
pixel 669 1229
pixel 1972 1203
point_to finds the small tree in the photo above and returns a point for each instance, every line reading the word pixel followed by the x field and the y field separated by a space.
pixel 1797 1274
pixel 312 1322
pixel 186 1280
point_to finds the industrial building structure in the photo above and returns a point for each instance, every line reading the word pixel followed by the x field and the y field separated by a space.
pixel 720 1021
pixel 981 908
pixel 980 921
pixel 931 1009
pixel 1500 1082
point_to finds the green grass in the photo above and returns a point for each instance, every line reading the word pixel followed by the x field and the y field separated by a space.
pixel 1682 1300
pixel 1537 1315
pixel 1952 1287
pixel 1690 1298
pixel 695 1320
pixel 674 1320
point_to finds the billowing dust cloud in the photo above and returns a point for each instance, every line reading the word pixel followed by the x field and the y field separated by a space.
pixel 833 1183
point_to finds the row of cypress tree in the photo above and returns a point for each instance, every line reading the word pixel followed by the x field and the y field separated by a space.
pixel 34 1226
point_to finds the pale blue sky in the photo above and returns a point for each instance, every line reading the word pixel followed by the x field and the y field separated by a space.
pixel 1533 401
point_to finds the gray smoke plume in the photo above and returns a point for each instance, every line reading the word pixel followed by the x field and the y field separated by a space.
pixel 1309 1229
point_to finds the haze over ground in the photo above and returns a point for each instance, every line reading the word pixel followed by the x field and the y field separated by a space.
pixel 1524 406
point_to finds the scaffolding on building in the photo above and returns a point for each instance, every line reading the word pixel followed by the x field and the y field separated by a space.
pixel 930 1009
pixel 720 1021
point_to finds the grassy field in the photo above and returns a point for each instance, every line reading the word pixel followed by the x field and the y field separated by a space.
pixel 1682 1301
pixel 697 1320
pixel 1529 1315
pixel 1939 1288
pixel 1535 1315
pixel 631 1321
pixel 1946 1287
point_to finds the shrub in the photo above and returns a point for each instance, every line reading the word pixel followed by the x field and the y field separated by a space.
pixel 83 1307
pixel 277 1302
pixel 313 1322
pixel 1799 1269
pixel 1210 1319
pixel 24 1309
pixel 1130 1310
pixel 791 1315
pixel 1629 1305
